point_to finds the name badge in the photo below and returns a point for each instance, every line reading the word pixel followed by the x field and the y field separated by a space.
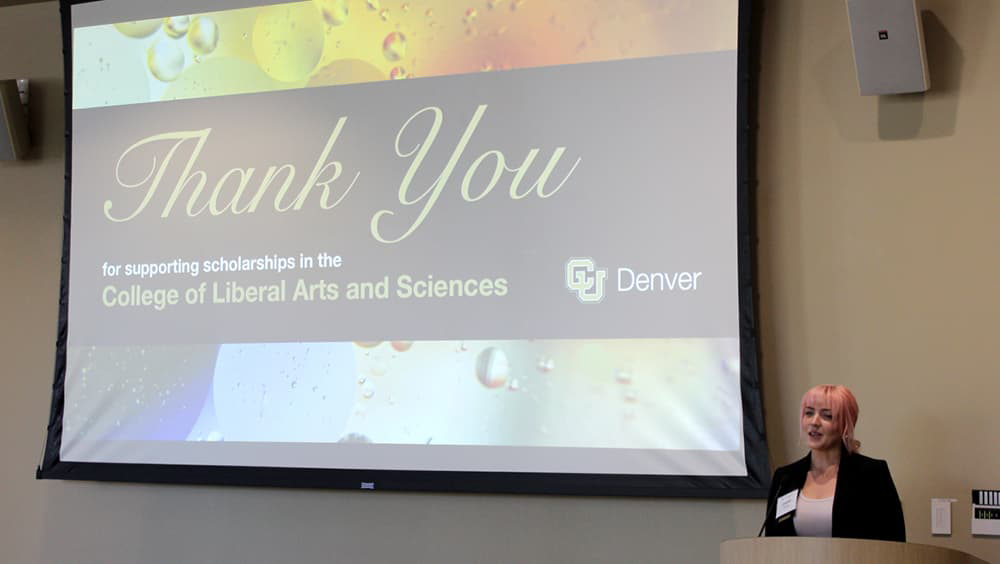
pixel 786 504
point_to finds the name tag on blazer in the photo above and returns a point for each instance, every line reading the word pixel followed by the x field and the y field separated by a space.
pixel 786 505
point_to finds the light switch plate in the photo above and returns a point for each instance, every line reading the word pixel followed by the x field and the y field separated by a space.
pixel 941 516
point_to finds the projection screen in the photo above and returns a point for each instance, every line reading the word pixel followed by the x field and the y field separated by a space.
pixel 496 245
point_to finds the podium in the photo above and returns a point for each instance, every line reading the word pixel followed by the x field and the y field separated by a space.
pixel 811 550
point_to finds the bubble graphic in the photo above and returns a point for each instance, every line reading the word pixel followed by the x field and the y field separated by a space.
pixel 335 12
pixel 261 410
pixel 204 35
pixel 546 364
pixel 623 376
pixel 288 40
pixel 514 385
pixel 378 367
pixel 165 60
pixel 402 346
pixel 176 26
pixel 398 73
pixel 118 76
pixel 372 4
pixel 218 76
pixel 139 29
pixel 348 71
pixel 368 391
pixel 470 15
pixel 366 344
pixel 394 46
pixel 354 438
pixel 384 14
pixel 492 367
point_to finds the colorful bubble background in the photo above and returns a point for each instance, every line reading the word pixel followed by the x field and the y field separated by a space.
pixel 642 393
pixel 333 42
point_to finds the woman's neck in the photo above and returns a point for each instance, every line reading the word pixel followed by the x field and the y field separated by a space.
pixel 825 459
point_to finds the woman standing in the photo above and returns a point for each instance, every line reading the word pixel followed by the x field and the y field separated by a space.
pixel 834 491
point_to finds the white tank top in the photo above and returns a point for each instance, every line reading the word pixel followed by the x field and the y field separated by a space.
pixel 814 517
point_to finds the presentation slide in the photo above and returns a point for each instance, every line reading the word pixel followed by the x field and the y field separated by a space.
pixel 485 236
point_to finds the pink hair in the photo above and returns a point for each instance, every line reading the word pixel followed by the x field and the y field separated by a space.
pixel 844 406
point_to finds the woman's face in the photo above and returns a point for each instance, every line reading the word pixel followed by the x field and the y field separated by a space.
pixel 821 430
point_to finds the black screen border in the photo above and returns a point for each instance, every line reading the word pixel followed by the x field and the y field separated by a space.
pixel 754 485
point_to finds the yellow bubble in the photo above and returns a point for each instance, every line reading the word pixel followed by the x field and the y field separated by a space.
pixel 372 4
pixel 176 26
pixel 234 29
pixel 139 29
pixel 204 35
pixel 394 46
pixel 165 60
pixel 384 14
pixel 397 73
pixel 334 11
pixel 346 71
pixel 470 15
pixel 221 75
pixel 288 40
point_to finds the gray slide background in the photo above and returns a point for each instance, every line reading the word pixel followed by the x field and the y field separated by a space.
pixel 655 190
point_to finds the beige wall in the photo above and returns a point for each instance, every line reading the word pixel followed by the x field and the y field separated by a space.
pixel 879 246
pixel 879 223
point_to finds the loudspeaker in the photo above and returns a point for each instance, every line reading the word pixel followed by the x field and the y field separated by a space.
pixel 888 41
pixel 14 142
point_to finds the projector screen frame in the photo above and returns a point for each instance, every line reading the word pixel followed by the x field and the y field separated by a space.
pixel 754 485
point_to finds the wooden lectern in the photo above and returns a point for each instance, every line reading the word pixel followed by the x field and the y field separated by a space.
pixel 808 550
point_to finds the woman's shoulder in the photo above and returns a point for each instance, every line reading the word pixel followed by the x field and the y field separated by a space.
pixel 800 465
pixel 861 460
pixel 861 464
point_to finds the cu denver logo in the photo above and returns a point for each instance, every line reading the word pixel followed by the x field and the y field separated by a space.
pixel 586 280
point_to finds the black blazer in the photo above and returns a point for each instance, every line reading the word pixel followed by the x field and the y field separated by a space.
pixel 865 503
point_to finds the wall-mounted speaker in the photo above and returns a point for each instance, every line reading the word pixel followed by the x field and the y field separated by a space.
pixel 14 141
pixel 888 41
